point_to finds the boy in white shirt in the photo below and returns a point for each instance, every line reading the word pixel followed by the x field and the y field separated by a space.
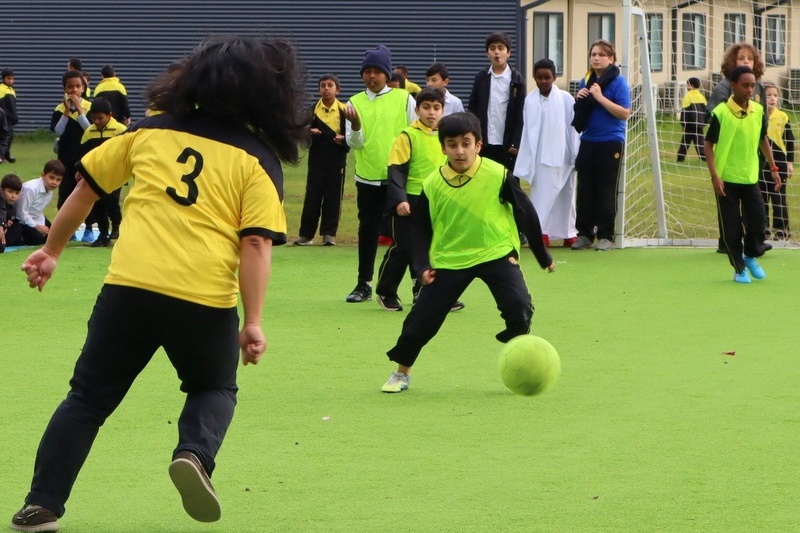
pixel 34 197
pixel 438 77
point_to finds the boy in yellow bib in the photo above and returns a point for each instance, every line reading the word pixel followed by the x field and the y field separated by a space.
pixel 738 129
pixel 465 226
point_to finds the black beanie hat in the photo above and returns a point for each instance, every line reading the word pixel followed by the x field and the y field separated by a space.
pixel 380 58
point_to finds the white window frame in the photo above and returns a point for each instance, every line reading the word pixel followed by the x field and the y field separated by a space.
pixel 775 41
pixel 655 38
pixel 695 43
pixel 607 26
pixel 735 28
pixel 548 40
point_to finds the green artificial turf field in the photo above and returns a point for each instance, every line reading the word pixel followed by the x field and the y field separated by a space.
pixel 652 426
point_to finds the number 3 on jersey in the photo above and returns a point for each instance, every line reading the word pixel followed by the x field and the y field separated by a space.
pixel 188 179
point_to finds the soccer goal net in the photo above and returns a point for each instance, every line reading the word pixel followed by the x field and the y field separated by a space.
pixel 663 201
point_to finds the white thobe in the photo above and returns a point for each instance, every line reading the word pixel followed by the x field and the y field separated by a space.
pixel 546 160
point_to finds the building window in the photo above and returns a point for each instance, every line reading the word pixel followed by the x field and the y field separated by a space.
pixel 548 38
pixel 734 29
pixel 775 53
pixel 694 41
pixel 655 37
pixel 601 26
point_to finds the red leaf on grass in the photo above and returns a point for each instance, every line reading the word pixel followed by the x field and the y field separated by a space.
pixel 728 353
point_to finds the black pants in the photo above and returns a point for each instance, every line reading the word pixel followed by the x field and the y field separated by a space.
pixel 323 200
pixel 65 188
pixel 741 214
pixel 31 236
pixel 7 155
pixel 692 133
pixel 14 235
pixel 780 212
pixel 499 153
pixel 596 197
pixel 127 326
pixel 397 257
pixel 105 209
pixel 505 281
pixel 371 202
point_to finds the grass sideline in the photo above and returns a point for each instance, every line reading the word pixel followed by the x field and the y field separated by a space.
pixel 651 427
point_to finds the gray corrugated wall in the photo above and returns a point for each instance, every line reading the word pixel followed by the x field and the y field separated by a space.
pixel 141 37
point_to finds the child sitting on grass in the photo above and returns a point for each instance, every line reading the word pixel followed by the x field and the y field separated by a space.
pixel 34 197
pixel 10 234
pixel 465 227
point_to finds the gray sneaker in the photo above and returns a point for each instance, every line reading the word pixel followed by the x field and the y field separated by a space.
pixel 302 241
pixel 328 240
pixel 583 243
pixel 604 245
pixel 398 382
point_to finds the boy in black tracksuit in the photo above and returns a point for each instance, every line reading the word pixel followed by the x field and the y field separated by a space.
pixel 8 104
pixel 327 158
pixel 693 118
pixel 501 143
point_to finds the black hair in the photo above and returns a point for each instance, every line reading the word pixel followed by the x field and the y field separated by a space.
pixel 403 69
pixel 107 71
pixel 498 37
pixel 11 182
pixel 693 82
pixel 459 124
pixel 328 76
pixel 55 166
pixel 400 79
pixel 70 74
pixel 6 72
pixel 100 105
pixel 545 64
pixel 75 63
pixel 257 82
pixel 736 73
pixel 430 94
pixel 86 75
pixel 438 68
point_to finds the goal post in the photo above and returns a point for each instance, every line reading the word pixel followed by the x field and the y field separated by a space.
pixel 664 199
pixel 634 16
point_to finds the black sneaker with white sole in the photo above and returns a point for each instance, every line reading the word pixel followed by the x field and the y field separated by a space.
pixel 362 293
pixel 190 478
pixel 390 303
pixel 34 518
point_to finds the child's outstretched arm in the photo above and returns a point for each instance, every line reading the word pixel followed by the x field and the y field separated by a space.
pixel 255 264
pixel 40 265
pixel 527 220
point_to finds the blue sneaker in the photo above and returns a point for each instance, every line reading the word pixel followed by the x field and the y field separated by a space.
pixel 755 269
pixel 741 277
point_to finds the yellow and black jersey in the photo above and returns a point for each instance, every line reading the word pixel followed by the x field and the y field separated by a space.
pixel 112 90
pixel 8 103
pixel 69 144
pixel 198 188
pixel 94 137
